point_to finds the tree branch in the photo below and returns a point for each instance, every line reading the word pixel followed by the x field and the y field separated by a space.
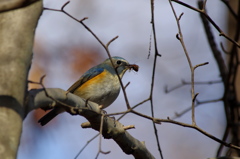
pixel 211 40
pixel 179 36
pixel 202 12
pixel 98 39
pixel 156 54
pixel 112 129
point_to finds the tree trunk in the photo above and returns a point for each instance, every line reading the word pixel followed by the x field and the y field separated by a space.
pixel 17 28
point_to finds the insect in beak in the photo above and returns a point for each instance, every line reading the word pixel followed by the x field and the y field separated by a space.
pixel 133 67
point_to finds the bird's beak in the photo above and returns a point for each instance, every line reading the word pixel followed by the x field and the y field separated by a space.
pixel 133 67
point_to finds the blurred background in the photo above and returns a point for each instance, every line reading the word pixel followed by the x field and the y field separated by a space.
pixel 64 50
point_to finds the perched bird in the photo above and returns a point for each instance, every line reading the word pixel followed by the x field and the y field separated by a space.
pixel 100 84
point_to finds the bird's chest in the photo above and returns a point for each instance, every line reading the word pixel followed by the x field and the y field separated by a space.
pixel 102 89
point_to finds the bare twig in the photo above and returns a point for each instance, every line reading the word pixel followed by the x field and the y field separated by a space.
pixel 202 64
pixel 107 45
pixel 198 103
pixel 129 127
pixel 202 11
pixel 112 129
pixel 183 83
pixel 156 54
pixel 126 85
pixel 228 76
pixel 180 38
pixel 88 142
pixel 129 110
pixel 137 113
pixel 168 120
pixel 100 140
pixel 98 39
pixel 204 4
pixel 201 131
pixel 49 96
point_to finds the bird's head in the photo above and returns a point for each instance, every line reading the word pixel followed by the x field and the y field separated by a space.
pixel 121 65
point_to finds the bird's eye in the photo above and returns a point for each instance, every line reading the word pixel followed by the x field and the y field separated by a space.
pixel 119 62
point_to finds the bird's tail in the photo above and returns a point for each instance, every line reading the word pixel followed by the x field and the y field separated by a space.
pixel 49 116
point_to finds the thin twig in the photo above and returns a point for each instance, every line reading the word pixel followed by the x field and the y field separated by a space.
pixel 180 38
pixel 126 85
pixel 100 140
pixel 97 38
pixel 88 142
pixel 183 83
pixel 49 96
pixel 156 54
pixel 198 103
pixel 129 127
pixel 129 110
pixel 201 131
pixel 202 64
pixel 221 33
pixel 168 120
pixel 107 45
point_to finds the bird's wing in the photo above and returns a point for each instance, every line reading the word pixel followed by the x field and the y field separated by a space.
pixel 85 77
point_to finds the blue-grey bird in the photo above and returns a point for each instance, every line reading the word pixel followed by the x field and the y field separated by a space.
pixel 99 84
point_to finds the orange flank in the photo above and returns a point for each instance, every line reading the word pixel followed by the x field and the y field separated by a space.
pixel 92 81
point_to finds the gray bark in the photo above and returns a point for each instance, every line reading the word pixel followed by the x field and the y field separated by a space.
pixel 17 29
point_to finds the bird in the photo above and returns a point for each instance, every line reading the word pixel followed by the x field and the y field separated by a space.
pixel 100 84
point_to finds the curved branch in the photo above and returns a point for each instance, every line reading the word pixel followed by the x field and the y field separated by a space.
pixel 112 129
pixel 203 13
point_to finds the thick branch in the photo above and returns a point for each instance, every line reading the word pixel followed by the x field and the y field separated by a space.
pixel 112 129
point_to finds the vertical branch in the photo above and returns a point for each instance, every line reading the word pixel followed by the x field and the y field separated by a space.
pixel 180 38
pixel 221 67
pixel 100 139
pixel 231 95
pixel 211 40
pixel 153 75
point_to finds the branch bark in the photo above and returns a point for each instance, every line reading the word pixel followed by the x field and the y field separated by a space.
pixel 112 129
